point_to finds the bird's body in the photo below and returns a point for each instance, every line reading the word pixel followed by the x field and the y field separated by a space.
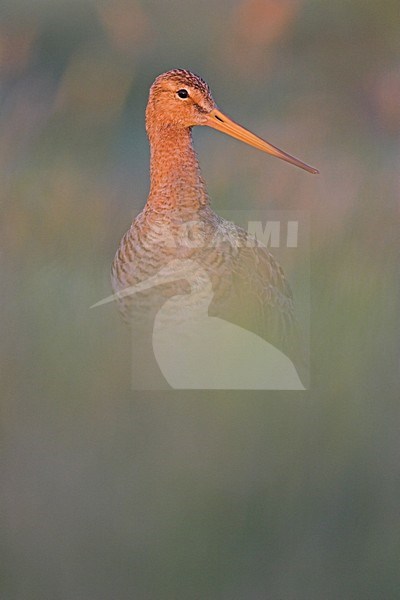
pixel 249 285
pixel 197 351
pixel 178 224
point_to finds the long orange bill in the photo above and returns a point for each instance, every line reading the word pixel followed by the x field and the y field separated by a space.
pixel 221 122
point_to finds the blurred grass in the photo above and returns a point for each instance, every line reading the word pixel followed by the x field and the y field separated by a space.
pixel 108 493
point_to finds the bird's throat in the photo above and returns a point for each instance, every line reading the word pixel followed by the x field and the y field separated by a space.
pixel 175 177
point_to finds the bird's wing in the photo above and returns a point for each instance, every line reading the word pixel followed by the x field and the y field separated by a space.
pixel 252 291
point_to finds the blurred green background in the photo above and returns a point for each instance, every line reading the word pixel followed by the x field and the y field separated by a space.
pixel 109 493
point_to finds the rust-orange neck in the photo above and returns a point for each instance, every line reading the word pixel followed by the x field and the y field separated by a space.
pixel 175 177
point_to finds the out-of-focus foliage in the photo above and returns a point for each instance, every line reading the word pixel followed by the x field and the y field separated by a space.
pixel 109 493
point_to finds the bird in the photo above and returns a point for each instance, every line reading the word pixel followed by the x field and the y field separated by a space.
pixel 177 223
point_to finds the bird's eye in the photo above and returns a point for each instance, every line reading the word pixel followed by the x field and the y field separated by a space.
pixel 183 93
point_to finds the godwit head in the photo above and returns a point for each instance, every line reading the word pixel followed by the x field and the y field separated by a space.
pixel 180 100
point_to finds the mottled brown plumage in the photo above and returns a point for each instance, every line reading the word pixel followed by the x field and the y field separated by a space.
pixel 178 222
